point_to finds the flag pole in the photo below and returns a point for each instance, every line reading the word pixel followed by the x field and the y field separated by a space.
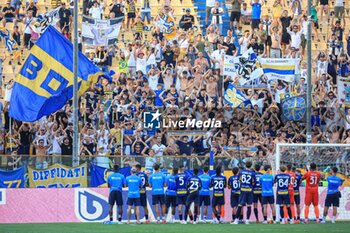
pixel 75 157
pixel 309 73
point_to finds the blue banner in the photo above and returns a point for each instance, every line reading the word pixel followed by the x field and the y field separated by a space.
pixel 45 82
pixel 241 148
pixel 12 179
pixel 99 175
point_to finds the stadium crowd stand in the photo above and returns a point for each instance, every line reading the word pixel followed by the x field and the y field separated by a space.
pixel 183 78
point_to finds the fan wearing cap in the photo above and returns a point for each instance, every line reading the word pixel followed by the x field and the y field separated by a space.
pixel 187 20
pixel 141 61
pixel 65 16
pixel 134 183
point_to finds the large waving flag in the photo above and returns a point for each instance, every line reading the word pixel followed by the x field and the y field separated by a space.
pixel 247 67
pixel 10 43
pixel 45 82
pixel 233 96
pixel 167 24
pixel 281 69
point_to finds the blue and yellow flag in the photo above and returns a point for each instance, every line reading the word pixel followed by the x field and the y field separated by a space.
pixel 45 82
pixel 166 22
pixel 10 43
pixel 278 68
pixel 294 108
pixel 233 96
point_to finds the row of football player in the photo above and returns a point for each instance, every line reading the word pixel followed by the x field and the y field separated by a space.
pixel 248 187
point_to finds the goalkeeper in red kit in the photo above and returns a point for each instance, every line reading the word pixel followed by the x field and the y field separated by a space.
pixel 312 178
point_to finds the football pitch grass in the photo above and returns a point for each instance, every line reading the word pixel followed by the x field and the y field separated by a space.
pixel 189 228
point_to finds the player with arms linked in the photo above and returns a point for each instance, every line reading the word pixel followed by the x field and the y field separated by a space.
pixel 267 180
pixel 181 191
pixel 218 183
pixel 257 192
pixel 116 182
pixel 204 193
pixel 143 195
pixel 194 184
pixel 170 200
pixel 333 194
pixel 312 178
pixel 292 175
pixel 134 184
pixel 234 185
pixel 157 181
pixel 296 187
pixel 283 181
pixel 247 180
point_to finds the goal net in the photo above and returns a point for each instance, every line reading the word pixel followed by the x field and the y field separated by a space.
pixel 325 156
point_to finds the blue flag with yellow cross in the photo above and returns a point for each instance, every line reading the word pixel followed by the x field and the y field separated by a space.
pixel 233 96
pixel 45 81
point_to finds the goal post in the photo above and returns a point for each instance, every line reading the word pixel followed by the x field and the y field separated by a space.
pixel 324 156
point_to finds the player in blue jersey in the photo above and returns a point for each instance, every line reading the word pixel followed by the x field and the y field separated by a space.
pixel 181 191
pixel 267 196
pixel 134 184
pixel 333 194
pixel 235 186
pixel 157 181
pixel 204 193
pixel 257 192
pixel 116 182
pixel 218 183
pixel 283 180
pixel 296 186
pixel 194 184
pixel 247 180
pixel 143 195
pixel 171 194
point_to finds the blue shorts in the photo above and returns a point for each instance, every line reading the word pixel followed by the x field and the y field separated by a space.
pixel 283 199
pixel 133 201
pixel 204 200
pixel 192 197
pixel 115 197
pixel 256 197
pixel 297 199
pixel 332 200
pixel 218 201
pixel 234 200
pixel 267 200
pixel 146 15
pixel 246 198
pixel 181 200
pixel 158 199
pixel 143 199
pixel 170 201
pixel 16 4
